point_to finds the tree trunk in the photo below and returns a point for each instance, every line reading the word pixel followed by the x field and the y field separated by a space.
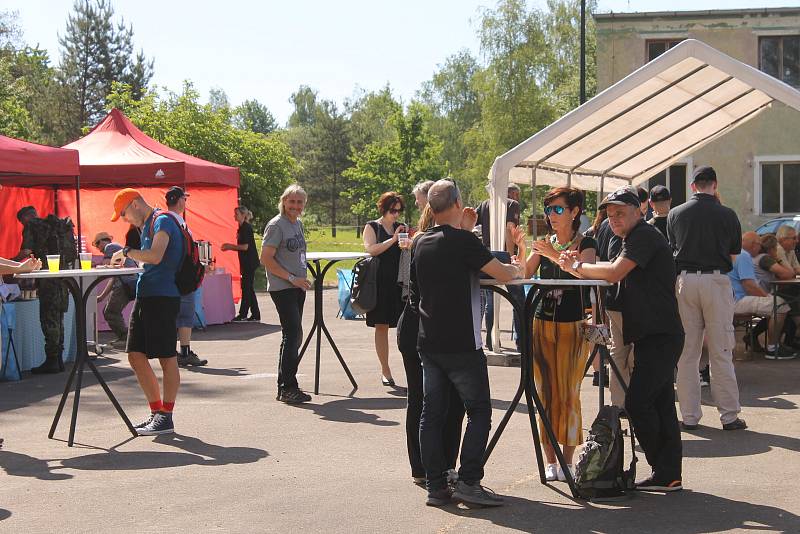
pixel 333 205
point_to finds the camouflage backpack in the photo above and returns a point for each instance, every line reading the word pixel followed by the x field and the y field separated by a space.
pixel 52 235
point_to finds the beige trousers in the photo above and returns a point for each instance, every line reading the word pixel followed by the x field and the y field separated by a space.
pixel 622 355
pixel 706 305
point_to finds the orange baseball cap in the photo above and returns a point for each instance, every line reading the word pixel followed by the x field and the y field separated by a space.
pixel 122 199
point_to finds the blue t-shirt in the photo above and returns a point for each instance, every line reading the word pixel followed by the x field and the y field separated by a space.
pixel 742 270
pixel 159 280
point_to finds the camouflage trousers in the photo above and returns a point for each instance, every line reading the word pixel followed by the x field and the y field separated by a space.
pixel 53 302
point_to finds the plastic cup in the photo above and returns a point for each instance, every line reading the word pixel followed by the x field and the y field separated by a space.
pixel 53 263
pixel 86 261
pixel 402 239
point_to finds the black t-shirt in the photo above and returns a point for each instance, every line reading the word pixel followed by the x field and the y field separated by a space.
pixel 564 305
pixel 661 225
pixel 704 234
pixel 446 289
pixel 609 246
pixel 649 305
pixel 248 259
pixel 512 215
pixel 133 238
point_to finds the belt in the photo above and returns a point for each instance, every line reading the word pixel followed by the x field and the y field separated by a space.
pixel 701 271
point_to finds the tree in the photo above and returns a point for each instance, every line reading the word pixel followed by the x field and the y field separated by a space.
pixel 369 117
pixel 95 53
pixel 305 101
pixel 253 116
pixel 179 120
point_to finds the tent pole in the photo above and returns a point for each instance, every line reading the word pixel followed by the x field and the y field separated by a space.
pixel 78 209
pixel 602 183
pixel 569 179
pixel 534 226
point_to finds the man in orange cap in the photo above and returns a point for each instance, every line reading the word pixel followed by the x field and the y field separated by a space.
pixel 152 328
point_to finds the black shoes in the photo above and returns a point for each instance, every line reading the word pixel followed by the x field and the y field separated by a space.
pixel 389 382
pixel 653 484
pixel 192 359
pixel 145 422
pixel 439 497
pixel 689 427
pixel 160 424
pixel 239 319
pixel 738 424
pixel 475 494
pixel 293 396
pixel 49 367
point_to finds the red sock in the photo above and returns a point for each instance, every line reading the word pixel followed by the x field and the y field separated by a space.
pixel 156 406
pixel 169 406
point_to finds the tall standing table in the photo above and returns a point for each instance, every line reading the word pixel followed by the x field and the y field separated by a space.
pixel 526 310
pixel 72 279
pixel 314 261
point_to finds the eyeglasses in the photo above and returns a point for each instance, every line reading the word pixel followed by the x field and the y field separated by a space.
pixel 395 212
pixel 557 209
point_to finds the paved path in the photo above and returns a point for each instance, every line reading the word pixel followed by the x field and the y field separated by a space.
pixel 242 462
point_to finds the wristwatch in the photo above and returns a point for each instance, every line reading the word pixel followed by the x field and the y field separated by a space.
pixel 291 278
pixel 125 251
pixel 576 265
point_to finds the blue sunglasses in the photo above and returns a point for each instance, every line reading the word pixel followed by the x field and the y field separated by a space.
pixel 550 209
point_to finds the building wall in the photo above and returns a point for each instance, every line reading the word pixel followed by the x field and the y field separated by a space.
pixel 621 49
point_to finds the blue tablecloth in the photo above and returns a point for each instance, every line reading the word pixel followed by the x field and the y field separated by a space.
pixel 20 322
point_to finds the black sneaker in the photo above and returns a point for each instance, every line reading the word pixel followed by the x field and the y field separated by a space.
pixel 161 424
pixel 780 353
pixel 192 359
pixel 253 319
pixel 689 427
pixel 476 494
pixel 145 422
pixel 653 484
pixel 293 396
pixel 738 424
pixel 239 319
pixel 438 497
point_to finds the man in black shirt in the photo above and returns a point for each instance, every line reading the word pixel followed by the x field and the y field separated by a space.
pixel 705 236
pixel 445 289
pixel 652 324
pixel 660 201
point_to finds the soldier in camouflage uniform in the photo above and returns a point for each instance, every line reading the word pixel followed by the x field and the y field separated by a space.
pixel 41 237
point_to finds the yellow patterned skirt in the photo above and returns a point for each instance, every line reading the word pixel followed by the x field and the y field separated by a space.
pixel 559 357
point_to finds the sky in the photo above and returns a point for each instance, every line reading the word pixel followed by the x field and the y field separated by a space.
pixel 266 49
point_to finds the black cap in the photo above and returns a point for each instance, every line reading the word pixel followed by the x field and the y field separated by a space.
pixel 659 193
pixel 704 174
pixel 174 194
pixel 624 196
pixel 24 211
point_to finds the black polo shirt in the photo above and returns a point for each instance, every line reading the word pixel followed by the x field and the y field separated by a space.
pixel 649 306
pixel 609 246
pixel 661 224
pixel 445 284
pixel 703 234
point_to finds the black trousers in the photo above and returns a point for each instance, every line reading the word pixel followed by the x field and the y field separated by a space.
pixel 249 303
pixel 451 436
pixel 650 403
pixel 289 303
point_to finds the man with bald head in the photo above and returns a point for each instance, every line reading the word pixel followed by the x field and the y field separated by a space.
pixel 752 299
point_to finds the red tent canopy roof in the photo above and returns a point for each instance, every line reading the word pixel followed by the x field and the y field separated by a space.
pixel 24 163
pixel 117 153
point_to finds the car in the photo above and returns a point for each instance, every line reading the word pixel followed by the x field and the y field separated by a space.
pixel 771 226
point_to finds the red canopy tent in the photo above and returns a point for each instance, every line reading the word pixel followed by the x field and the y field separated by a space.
pixel 116 154
pixel 29 174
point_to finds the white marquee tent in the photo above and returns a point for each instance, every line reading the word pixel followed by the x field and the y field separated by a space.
pixel 669 108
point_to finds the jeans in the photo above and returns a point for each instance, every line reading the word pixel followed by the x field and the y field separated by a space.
pixel 467 372
pixel 517 293
pixel 650 403
pixel 289 303
pixel 249 302
pixel 452 426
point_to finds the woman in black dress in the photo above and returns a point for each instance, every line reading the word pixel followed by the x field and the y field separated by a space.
pixel 381 240
pixel 248 264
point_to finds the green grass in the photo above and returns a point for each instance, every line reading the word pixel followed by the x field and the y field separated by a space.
pixel 321 240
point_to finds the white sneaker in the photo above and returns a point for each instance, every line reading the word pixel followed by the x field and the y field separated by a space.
pixel 551 472
pixel 562 477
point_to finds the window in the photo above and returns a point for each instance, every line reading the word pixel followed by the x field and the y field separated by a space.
pixel 780 57
pixel 656 47
pixel 780 188
pixel 674 178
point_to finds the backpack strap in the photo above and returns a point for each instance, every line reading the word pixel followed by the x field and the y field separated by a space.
pixel 187 239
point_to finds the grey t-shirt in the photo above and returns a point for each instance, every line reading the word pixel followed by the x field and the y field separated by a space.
pixel 290 250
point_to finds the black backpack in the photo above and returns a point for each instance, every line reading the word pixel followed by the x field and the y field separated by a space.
pixel 190 272
pixel 364 285
pixel 599 473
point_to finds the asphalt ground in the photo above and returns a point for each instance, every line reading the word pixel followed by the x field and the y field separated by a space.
pixel 243 462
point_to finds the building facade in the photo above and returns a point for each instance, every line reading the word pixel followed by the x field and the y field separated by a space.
pixel 758 163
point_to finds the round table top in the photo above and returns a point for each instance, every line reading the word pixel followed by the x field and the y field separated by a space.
pixel 80 273
pixel 544 282
pixel 314 256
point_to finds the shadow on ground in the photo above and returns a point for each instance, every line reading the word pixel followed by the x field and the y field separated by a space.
pixel 355 410
pixel 687 512
pixel 4 514
pixel 235 331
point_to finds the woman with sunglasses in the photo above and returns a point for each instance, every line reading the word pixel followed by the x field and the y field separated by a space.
pixel 381 240
pixel 559 348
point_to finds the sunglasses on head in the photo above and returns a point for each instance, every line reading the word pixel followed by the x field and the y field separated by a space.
pixel 557 209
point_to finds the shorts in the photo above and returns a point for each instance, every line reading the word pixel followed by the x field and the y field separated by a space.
pixel 749 305
pixel 153 329
pixel 186 313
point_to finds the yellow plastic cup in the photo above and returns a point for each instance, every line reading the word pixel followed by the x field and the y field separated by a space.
pixel 53 263
pixel 86 261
